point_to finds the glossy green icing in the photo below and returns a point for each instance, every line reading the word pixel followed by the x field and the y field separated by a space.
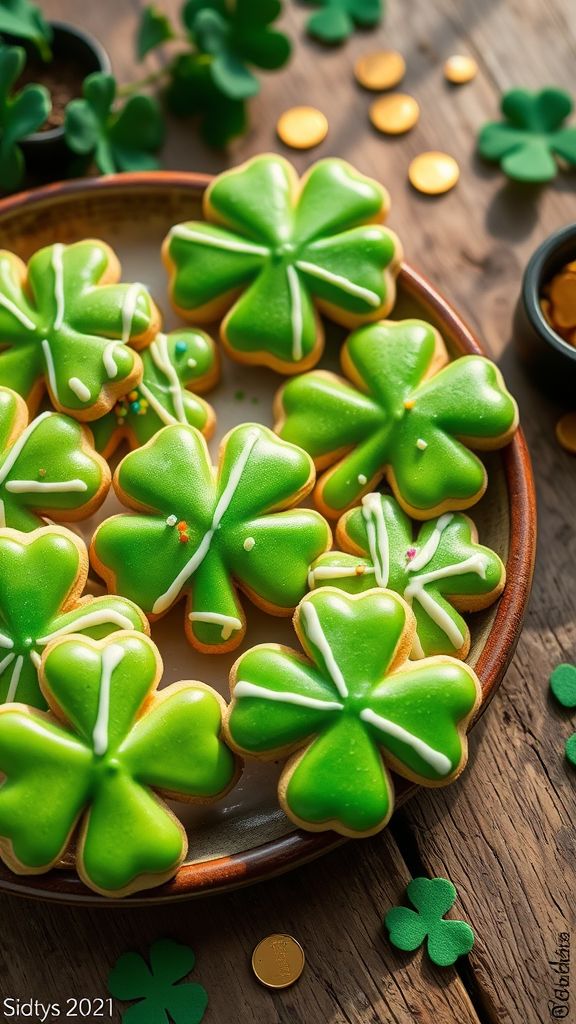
pixel 287 247
pixel 172 364
pixel 45 468
pixel 433 572
pixel 114 750
pixel 411 714
pixel 399 422
pixel 42 575
pixel 56 326
pixel 238 524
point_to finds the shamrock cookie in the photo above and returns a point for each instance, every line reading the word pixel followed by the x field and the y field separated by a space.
pixel 101 760
pixel 273 251
pixel 351 709
pixel 173 362
pixel 201 532
pixel 65 326
pixel 47 467
pixel 42 579
pixel 440 574
pixel 399 418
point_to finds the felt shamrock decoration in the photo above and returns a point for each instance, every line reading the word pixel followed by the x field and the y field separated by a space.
pixel 65 325
pixel 42 580
pixel 563 686
pixel 101 760
pixel 172 363
pixel 396 417
pixel 156 987
pixel 441 573
pixel 21 113
pixel 235 36
pixel 117 140
pixel 199 532
pixel 272 249
pixel 24 20
pixel 338 18
pixel 47 467
pixel 446 940
pixel 532 135
pixel 350 709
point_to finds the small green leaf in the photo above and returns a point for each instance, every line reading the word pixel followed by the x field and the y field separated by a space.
pixel 25 20
pixel 81 127
pixel 20 114
pixel 233 78
pixel 154 29
pixel 11 168
pixel 99 91
pixel 192 93
pixel 29 110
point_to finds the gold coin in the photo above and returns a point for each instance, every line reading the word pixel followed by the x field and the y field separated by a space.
pixel 433 173
pixel 302 127
pixel 563 299
pixel 381 70
pixel 394 114
pixel 459 69
pixel 278 961
pixel 566 432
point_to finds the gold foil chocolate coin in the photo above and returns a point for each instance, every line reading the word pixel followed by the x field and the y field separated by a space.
pixel 278 961
pixel 566 432
pixel 459 69
pixel 394 114
pixel 433 173
pixel 381 70
pixel 302 127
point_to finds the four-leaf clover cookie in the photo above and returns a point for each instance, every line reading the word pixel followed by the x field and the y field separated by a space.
pixel 42 580
pixel 532 135
pixel 66 325
pixel 446 940
pixel 94 769
pixel 350 709
pixel 273 251
pixel 48 467
pixel 172 364
pixel 156 987
pixel 396 417
pixel 199 532
pixel 440 574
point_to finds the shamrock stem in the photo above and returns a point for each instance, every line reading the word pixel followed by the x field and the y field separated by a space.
pixel 129 88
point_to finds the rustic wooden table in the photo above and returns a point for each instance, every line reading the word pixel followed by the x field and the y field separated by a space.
pixel 505 833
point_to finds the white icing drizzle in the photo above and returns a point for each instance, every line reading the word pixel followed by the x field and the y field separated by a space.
pixel 41 486
pixel 336 572
pixel 244 689
pixel 109 361
pixel 16 312
pixel 2 513
pixel 377 535
pixel 15 679
pixel 162 413
pixel 58 268
pixel 35 659
pixel 230 244
pixel 340 282
pixel 18 445
pixel 296 312
pixel 435 758
pixel 317 637
pixel 111 658
pixel 101 617
pixel 161 356
pixel 429 549
pixel 6 661
pixel 129 310
pixel 6 641
pixel 229 623
pixel 415 591
pixel 249 543
pixel 170 595
pixel 79 388
pixel 50 367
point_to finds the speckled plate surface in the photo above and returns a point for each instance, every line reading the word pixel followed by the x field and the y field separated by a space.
pixel 245 837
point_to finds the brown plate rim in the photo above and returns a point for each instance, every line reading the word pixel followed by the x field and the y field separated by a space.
pixel 298 847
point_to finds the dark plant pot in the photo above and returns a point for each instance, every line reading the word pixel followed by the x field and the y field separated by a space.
pixel 46 152
pixel 551 360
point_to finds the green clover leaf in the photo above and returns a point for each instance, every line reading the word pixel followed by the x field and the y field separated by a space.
pixel 47 467
pixel 119 140
pixel 66 325
pixel 433 898
pixel 191 92
pixel 42 579
pixel 273 250
pixel 353 706
pixel 172 364
pixel 526 143
pixel 338 18
pixel 563 686
pixel 197 532
pixel 156 985
pixel 21 113
pixel 24 20
pixel 154 28
pixel 440 574
pixel 109 748
pixel 396 417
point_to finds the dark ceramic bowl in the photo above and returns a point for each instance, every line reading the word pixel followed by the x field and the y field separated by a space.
pixel 551 359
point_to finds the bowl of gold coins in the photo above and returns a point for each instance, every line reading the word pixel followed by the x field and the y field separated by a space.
pixel 545 318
